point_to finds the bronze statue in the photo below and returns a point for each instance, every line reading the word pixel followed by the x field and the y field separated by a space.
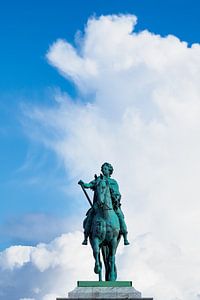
pixel 104 223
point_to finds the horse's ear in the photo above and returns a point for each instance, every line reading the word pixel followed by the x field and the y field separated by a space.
pixel 101 176
pixel 95 176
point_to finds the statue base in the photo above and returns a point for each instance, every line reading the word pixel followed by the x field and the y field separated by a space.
pixel 104 290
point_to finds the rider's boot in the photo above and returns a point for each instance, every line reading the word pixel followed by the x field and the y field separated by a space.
pixel 85 241
pixel 126 242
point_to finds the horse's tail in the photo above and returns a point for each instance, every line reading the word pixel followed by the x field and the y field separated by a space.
pixel 105 253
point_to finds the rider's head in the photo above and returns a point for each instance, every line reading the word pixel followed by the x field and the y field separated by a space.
pixel 106 167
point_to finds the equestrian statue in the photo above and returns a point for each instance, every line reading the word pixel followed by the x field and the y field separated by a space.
pixel 104 223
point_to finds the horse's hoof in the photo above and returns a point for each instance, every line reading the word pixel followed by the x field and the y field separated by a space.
pixel 112 278
pixel 97 269
pixel 84 242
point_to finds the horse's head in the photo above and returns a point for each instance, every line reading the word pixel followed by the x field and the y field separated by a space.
pixel 103 195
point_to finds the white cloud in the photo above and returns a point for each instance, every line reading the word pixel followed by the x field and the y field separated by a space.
pixel 139 108
pixel 14 257
pixel 35 267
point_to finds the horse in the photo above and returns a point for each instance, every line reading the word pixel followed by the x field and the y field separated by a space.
pixel 105 231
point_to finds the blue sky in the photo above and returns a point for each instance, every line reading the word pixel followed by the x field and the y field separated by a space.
pixel 31 177
pixel 84 82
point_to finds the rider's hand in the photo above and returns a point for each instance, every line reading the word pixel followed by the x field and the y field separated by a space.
pixel 81 182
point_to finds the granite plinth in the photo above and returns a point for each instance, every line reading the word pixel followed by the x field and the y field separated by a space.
pixel 104 290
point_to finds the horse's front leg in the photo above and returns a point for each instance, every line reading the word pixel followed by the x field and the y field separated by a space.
pixel 113 248
pixel 96 254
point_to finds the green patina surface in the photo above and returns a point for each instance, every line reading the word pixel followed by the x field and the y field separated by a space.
pixel 104 223
pixel 104 283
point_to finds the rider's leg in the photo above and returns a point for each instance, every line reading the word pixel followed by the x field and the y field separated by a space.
pixel 126 242
pixel 85 241
pixel 123 226
pixel 87 226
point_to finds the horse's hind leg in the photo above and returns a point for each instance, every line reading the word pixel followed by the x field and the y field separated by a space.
pixel 100 272
pixel 105 253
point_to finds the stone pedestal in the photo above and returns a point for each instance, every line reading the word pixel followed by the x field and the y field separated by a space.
pixel 104 290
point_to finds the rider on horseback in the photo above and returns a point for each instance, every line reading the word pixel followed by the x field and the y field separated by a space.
pixel 107 171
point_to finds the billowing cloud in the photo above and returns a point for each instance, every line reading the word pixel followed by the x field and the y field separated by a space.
pixel 31 269
pixel 138 108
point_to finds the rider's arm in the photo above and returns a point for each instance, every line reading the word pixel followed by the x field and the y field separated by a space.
pixel 116 189
pixel 87 185
pixel 91 184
